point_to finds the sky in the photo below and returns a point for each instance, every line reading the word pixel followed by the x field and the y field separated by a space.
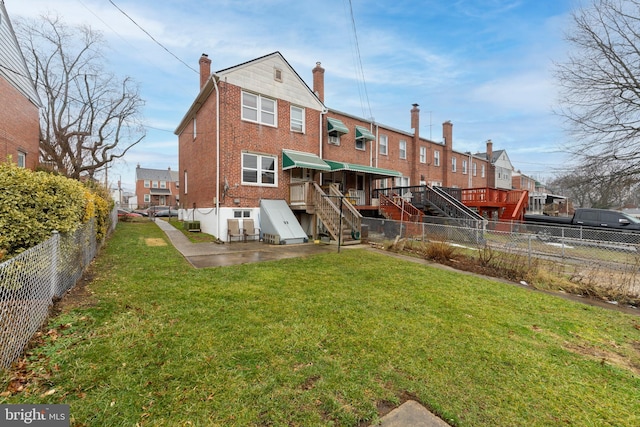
pixel 485 65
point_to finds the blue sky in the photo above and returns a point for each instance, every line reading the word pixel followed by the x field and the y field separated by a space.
pixel 486 65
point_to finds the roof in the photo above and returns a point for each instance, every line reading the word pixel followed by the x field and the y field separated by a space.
pixel 13 67
pixel 156 174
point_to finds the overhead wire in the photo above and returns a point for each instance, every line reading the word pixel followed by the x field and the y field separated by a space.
pixel 153 38
pixel 364 95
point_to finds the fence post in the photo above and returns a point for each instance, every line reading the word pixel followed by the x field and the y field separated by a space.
pixel 54 263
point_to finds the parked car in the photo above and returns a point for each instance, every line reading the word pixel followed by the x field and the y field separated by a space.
pixel 123 213
pixel 166 213
pixel 153 210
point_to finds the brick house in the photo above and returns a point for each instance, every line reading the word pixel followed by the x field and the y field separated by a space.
pixel 257 131
pixel 156 187
pixel 19 101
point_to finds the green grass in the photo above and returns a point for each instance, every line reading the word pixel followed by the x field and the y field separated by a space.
pixel 323 340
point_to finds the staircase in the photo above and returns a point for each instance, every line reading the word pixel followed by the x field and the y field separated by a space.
pixel 439 202
pixel 341 220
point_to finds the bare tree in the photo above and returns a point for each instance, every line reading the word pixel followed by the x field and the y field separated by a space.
pixel 89 116
pixel 600 85
pixel 596 185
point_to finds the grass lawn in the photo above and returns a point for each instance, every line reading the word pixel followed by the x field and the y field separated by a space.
pixel 324 340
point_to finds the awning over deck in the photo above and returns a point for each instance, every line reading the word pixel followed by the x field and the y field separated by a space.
pixel 343 166
pixel 298 159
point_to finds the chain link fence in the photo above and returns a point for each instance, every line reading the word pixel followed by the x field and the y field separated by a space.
pixel 590 258
pixel 33 280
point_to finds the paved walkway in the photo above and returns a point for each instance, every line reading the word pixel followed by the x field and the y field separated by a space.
pixel 201 255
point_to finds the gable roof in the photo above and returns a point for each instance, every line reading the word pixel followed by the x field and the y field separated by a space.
pixel 13 67
pixel 257 75
pixel 156 175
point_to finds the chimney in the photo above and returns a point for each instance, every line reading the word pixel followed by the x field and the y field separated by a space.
pixel 447 133
pixel 318 81
pixel 489 150
pixel 205 69
pixel 415 120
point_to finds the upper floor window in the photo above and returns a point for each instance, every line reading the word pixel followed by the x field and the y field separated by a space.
pixel 383 142
pixel 436 158
pixel 163 184
pixel 454 164
pixel 297 119
pixel 154 184
pixel 474 168
pixel 256 108
pixel 482 171
pixel 22 159
pixel 195 127
pixel 147 183
pixel 403 149
pixel 464 167
pixel 423 154
pixel 259 169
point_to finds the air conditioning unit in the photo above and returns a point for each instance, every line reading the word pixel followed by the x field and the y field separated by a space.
pixel 334 139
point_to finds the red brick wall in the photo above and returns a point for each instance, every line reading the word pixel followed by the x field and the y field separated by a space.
pixel 198 157
pixel 19 126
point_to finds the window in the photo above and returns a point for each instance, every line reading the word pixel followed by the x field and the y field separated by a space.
pixel 474 167
pixel 383 142
pixel 402 181
pixel 163 184
pixel 403 149
pixel 464 167
pixel 195 127
pixel 147 198
pixel 482 171
pixel 256 108
pixel 423 154
pixel 154 184
pixel 22 159
pixel 147 183
pixel 454 164
pixel 361 144
pixel 259 169
pixel 186 182
pixel 297 119
pixel 241 214
pixel 436 158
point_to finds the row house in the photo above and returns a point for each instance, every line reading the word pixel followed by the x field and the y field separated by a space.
pixel 256 131
pixel 156 187
pixel 19 101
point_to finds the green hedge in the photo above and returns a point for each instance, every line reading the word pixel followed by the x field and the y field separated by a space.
pixel 34 204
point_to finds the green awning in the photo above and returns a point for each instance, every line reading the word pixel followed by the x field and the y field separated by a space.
pixel 297 159
pixel 362 132
pixel 343 166
pixel 335 125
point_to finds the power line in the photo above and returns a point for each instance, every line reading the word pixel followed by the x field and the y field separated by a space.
pixel 152 38
pixel 359 68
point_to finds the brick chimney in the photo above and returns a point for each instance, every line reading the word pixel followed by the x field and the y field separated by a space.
pixel 415 121
pixel 447 134
pixel 489 150
pixel 205 69
pixel 318 81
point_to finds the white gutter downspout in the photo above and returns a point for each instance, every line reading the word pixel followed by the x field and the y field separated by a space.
pixel 322 113
pixel 215 85
pixel 376 148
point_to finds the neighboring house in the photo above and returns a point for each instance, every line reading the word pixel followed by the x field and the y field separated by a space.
pixel 499 175
pixel 19 101
pixel 156 187
pixel 256 131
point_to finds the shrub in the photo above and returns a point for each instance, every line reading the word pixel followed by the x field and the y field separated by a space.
pixel 34 204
